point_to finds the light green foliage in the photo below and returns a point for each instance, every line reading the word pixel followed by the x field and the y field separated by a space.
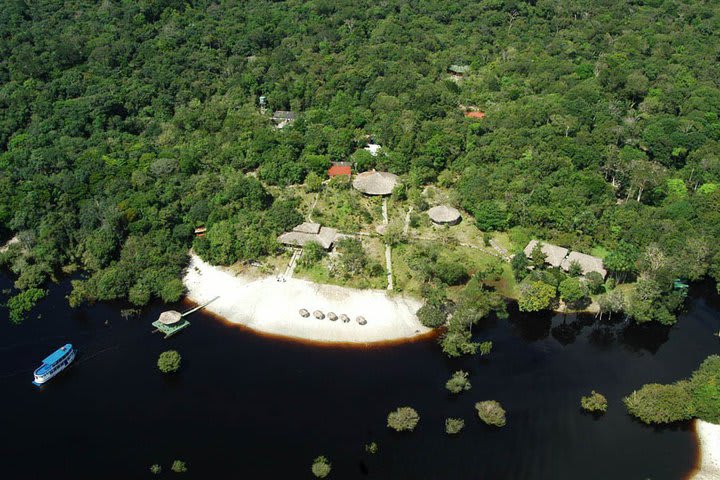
pixel 169 361
pixel 313 253
pixel 155 469
pixel 491 412
pixel 453 426
pixel 321 467
pixel 575 269
pixel 538 256
pixel 20 304
pixel 403 419
pixel 486 348
pixel 595 402
pixel 573 291
pixel 459 382
pixel 178 466
pixel 313 182
pixel 677 190
pixel 535 296
pixel 371 448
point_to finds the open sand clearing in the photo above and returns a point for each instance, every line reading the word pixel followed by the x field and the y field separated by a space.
pixel 709 437
pixel 273 307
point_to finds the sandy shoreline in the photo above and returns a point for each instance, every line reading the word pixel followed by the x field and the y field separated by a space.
pixel 269 306
pixel 708 435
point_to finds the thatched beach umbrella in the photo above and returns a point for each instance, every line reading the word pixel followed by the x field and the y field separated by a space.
pixel 344 318
pixel 304 313
pixel 332 316
pixel 318 314
pixel 170 317
pixel 361 320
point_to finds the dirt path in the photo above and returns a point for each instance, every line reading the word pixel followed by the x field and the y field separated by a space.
pixel 388 252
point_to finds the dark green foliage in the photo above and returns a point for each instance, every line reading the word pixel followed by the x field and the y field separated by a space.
pixel 595 403
pixel 595 283
pixel 169 361
pixel 313 252
pixel 698 397
pixel 23 302
pixel 519 264
pixel 403 419
pixel 431 316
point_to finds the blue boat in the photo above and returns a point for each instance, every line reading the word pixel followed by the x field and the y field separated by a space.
pixel 54 364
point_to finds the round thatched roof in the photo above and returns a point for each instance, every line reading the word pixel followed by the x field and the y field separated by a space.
pixel 318 314
pixel 170 317
pixel 444 214
pixel 304 313
pixel 332 316
pixel 375 183
pixel 361 320
pixel 344 318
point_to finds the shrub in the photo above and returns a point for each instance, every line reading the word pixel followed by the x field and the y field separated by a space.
pixel 595 402
pixel 169 361
pixel 485 348
pixel 321 467
pixel 313 252
pixel 402 419
pixel 431 316
pixel 178 466
pixel 451 273
pixel 595 283
pixel 371 448
pixel 491 412
pixel 453 426
pixel 655 403
pixel 23 302
pixel 459 382
pixel 155 469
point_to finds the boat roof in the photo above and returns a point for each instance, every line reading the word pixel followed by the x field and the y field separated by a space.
pixel 57 354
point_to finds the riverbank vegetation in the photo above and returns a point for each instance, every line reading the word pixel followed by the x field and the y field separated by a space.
pixel 697 397
pixel 126 126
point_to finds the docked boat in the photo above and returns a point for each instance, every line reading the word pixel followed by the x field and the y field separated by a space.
pixel 54 364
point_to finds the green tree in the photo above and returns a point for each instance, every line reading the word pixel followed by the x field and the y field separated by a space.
pixel 155 469
pixel 453 426
pixel 403 419
pixel 313 253
pixel 535 296
pixel 486 348
pixel 538 256
pixel 491 412
pixel 178 466
pixel 520 264
pixel 431 316
pixel 321 467
pixel 20 304
pixel 655 403
pixel 169 361
pixel 573 291
pixel 371 448
pixel 458 383
pixel 595 282
pixel 595 402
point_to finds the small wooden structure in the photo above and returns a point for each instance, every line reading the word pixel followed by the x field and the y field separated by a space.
pixel 171 321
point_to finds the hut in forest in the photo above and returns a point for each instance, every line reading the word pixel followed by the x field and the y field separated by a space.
pixel 281 118
pixel 458 70
pixel 375 183
pixel 444 215
pixel 554 255
pixel 309 232
pixel 588 263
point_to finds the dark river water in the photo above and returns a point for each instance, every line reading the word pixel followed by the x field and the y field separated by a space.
pixel 246 406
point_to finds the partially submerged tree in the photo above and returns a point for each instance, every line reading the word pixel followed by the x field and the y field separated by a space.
pixel 459 382
pixel 321 467
pixel 403 419
pixel 178 466
pixel 595 402
pixel 491 412
pixel 169 361
pixel 453 426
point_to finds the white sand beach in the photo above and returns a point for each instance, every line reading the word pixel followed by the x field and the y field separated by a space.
pixel 709 440
pixel 270 306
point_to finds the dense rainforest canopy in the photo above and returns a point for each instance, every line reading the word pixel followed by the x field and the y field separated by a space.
pixel 126 124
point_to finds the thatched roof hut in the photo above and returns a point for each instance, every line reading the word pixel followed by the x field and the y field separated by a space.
pixel 554 254
pixel 304 313
pixel 361 320
pixel 170 317
pixel 332 316
pixel 588 263
pixel 444 215
pixel 375 183
pixel 344 318
pixel 318 314
pixel 309 232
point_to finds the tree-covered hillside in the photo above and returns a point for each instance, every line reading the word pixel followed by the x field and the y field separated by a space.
pixel 126 124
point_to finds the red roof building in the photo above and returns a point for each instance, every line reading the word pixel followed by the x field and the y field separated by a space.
pixel 336 170
pixel 475 114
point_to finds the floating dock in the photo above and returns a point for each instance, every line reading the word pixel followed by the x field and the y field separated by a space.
pixel 171 321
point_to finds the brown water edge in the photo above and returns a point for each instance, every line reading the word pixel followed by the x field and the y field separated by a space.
pixel 697 457
pixel 431 335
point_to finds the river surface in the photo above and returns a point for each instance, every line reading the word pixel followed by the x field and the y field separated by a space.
pixel 247 406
